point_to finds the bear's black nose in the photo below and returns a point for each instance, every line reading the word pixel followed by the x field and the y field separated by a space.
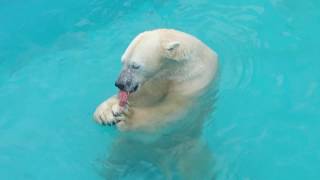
pixel 119 85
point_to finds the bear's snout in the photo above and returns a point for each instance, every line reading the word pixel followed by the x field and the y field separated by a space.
pixel 126 82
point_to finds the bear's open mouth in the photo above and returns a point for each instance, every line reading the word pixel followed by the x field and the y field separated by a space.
pixel 135 89
pixel 123 95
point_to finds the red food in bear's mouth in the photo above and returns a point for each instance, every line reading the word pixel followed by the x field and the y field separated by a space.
pixel 123 97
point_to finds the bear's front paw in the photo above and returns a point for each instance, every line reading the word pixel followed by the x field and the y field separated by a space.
pixel 110 113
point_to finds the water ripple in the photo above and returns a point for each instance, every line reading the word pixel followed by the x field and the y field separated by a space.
pixel 227 29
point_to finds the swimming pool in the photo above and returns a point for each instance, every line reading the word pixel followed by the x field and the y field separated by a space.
pixel 59 59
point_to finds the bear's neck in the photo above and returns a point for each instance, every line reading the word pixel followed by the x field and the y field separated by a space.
pixel 192 77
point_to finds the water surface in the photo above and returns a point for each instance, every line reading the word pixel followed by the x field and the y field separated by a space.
pixel 59 60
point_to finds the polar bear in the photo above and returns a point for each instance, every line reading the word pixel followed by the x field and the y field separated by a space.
pixel 164 76
pixel 163 71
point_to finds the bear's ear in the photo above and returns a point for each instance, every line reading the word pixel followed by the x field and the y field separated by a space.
pixel 172 45
pixel 172 51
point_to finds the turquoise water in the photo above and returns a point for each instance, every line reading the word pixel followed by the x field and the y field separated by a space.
pixel 59 60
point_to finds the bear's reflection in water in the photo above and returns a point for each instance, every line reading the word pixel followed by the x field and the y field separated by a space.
pixel 177 152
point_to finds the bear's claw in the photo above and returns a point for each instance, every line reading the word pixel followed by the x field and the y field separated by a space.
pixel 110 113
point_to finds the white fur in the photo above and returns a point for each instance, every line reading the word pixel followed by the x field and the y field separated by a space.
pixel 181 68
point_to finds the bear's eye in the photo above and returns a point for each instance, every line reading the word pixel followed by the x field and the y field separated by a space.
pixel 135 66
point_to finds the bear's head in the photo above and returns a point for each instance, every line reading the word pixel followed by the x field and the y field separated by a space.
pixel 147 55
